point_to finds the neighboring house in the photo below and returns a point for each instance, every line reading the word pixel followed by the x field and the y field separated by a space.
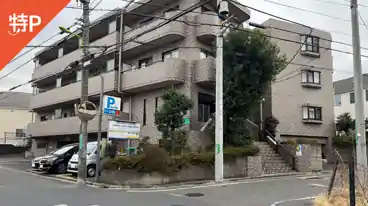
pixel 344 96
pixel 176 55
pixel 301 97
pixel 14 117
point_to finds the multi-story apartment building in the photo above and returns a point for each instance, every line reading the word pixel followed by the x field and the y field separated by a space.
pixel 344 96
pixel 177 55
pixel 301 97
pixel 14 117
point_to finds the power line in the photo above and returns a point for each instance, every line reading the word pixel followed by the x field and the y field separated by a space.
pixel 309 11
pixel 134 37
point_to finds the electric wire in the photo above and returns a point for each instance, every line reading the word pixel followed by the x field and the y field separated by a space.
pixel 220 25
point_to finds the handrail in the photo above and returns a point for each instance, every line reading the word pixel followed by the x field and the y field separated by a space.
pixel 279 148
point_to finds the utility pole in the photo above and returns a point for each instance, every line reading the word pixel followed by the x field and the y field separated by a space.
pixel 82 170
pixel 219 131
pixel 361 151
pixel 98 160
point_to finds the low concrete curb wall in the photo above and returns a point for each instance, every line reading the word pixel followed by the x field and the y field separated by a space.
pixel 241 167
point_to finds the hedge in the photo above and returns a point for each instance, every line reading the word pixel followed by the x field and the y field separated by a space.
pixel 156 159
pixel 343 141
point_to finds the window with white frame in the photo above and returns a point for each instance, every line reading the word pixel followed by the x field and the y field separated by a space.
pixel 310 76
pixel 60 52
pixel 112 27
pixel 58 82
pixel 337 100
pixel 57 113
pixel 145 62
pixel 37 63
pixel 110 64
pixel 205 54
pixel 79 75
pixel 170 54
pixel 310 43
pixel 312 113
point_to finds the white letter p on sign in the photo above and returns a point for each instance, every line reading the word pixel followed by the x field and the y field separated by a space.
pixel 34 21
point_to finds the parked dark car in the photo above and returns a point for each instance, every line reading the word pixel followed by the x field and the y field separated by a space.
pixel 56 161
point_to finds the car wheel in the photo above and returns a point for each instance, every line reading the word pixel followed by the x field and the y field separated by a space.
pixel 61 168
pixel 91 170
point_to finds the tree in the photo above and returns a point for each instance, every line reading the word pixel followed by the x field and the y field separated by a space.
pixel 270 125
pixel 170 118
pixel 251 63
pixel 345 123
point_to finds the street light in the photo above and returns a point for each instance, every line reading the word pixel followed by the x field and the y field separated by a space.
pixel 67 30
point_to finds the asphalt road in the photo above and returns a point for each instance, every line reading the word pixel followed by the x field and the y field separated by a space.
pixel 18 188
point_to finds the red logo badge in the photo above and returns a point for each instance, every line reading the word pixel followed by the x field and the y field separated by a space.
pixel 21 21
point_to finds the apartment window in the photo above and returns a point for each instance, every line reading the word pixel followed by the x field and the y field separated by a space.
pixel 144 112
pixel 310 43
pixel 44 118
pixel 79 75
pixel 337 100
pixel 41 145
pixel 170 54
pixel 206 106
pixel 20 133
pixel 352 98
pixel 58 82
pixel 57 113
pixel 37 63
pixel 112 27
pixel 205 54
pixel 157 102
pixel 145 62
pixel 35 90
pixel 309 76
pixel 312 113
pixel 126 106
pixel 110 64
pixel 60 52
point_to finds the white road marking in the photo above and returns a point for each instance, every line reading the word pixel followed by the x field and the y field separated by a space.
pixel 292 200
pixel 317 185
pixel 61 205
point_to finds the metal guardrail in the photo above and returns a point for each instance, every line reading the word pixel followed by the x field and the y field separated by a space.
pixel 279 148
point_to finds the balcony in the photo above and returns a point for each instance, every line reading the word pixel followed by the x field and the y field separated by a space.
pixel 73 91
pixel 60 64
pixel 205 72
pixel 171 32
pixel 68 126
pixel 206 33
pixel 161 74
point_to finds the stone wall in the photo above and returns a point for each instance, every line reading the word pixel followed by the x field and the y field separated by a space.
pixel 241 167
pixel 310 160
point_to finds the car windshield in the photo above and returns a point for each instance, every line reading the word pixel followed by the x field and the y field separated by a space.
pixel 91 147
pixel 62 150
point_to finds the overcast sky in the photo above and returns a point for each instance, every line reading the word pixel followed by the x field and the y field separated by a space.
pixel 336 21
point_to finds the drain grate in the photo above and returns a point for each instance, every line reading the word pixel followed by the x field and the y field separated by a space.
pixel 314 178
pixel 194 194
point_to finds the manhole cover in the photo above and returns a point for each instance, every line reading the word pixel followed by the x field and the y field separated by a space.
pixel 194 194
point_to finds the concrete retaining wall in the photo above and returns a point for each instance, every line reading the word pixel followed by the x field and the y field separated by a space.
pixel 241 167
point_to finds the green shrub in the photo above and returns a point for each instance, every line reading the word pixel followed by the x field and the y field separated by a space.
pixel 342 141
pixel 156 159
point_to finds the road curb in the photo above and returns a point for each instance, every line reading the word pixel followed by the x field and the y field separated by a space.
pixel 66 179
pixel 196 183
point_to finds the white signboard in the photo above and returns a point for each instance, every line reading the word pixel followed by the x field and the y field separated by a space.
pixel 111 105
pixel 299 149
pixel 123 130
